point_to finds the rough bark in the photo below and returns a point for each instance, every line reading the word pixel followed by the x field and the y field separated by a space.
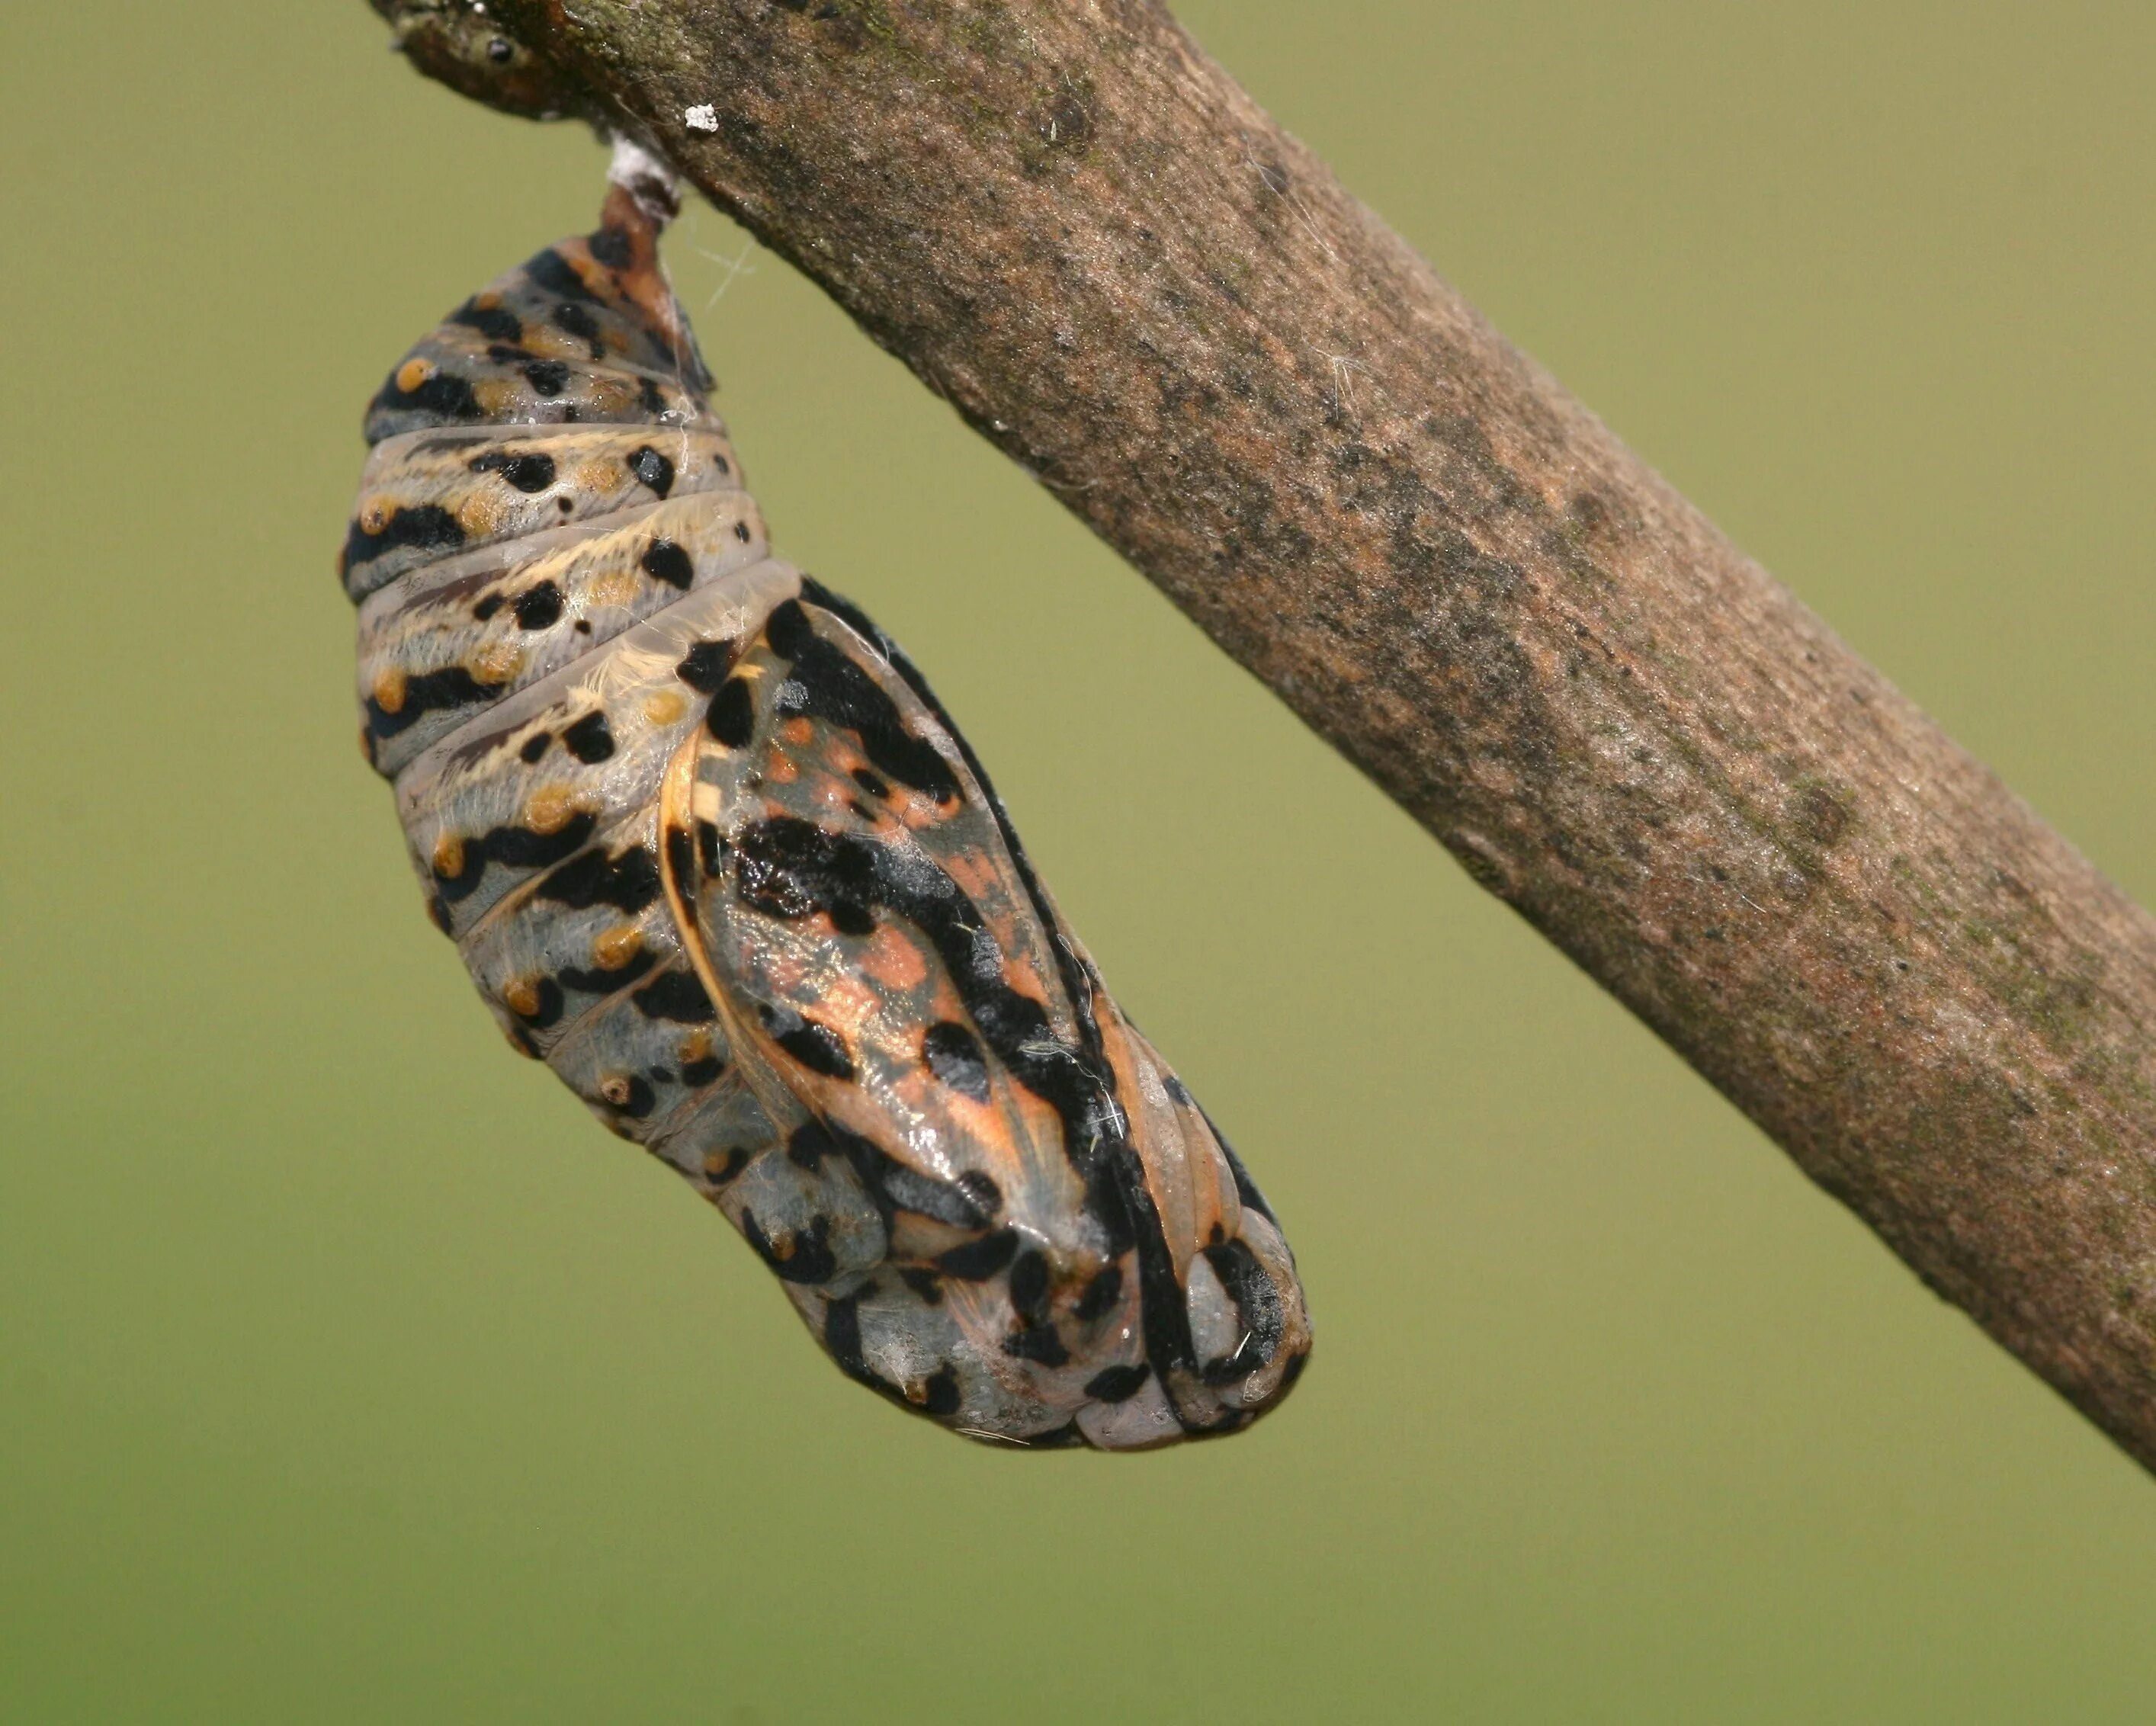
pixel 1078 229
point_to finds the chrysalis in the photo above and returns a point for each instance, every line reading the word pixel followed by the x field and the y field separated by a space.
pixel 713 850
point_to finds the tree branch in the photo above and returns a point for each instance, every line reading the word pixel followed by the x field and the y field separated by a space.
pixel 1079 230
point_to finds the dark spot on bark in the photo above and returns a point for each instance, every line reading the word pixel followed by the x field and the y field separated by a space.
pixel 1590 511
pixel 1065 124
pixel 1820 815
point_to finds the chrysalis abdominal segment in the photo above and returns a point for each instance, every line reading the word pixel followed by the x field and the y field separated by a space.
pixel 711 849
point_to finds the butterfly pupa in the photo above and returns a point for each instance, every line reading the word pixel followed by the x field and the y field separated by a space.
pixel 713 850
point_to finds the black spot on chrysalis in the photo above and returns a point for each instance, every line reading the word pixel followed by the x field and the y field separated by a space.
pixel 494 322
pixel 676 995
pixel 588 739
pixel 572 317
pixel 817 1047
pixel 806 1257
pixel 424 526
pixel 652 469
pixel 666 562
pixel 978 1261
pixel 528 473
pixel 706 665
pixel 628 881
pixel 732 719
pixel 578 887
pixel 953 1055
pixel 539 606
pixel 1118 1383
pixel 612 248
pixel 547 377
pixel 939 1392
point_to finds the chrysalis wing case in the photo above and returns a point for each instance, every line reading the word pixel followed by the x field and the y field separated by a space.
pixel 712 851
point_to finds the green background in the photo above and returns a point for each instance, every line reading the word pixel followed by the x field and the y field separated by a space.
pixel 349 1372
